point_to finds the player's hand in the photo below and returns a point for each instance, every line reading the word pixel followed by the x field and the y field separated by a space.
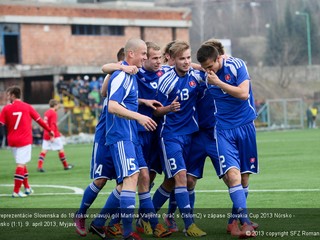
pixel 51 133
pixel 148 123
pixel 153 103
pixel 212 78
pixel 130 69
pixel 175 105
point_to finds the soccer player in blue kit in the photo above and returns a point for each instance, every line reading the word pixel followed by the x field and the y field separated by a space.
pixel 122 133
pixel 229 83
pixel 178 91
pixel 203 141
pixel 101 168
pixel 147 79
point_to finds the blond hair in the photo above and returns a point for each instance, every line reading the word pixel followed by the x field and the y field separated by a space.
pixel 178 47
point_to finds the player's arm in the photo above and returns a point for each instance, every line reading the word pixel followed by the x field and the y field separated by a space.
pixel 2 120
pixel 173 107
pixel 241 91
pixel 197 66
pixel 115 108
pixel 44 126
pixel 154 104
pixel 104 87
pixel 36 117
pixel 109 68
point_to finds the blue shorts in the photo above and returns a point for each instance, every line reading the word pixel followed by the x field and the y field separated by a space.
pixel 151 152
pixel 174 152
pixel 101 163
pixel 237 148
pixel 203 145
pixel 127 159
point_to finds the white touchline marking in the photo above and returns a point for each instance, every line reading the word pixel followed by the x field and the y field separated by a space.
pixel 75 190
pixel 265 190
pixel 79 191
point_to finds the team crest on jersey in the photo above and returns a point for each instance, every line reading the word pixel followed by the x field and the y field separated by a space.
pixel 227 77
pixel 192 84
pixel 252 160
pixel 159 73
pixel 154 85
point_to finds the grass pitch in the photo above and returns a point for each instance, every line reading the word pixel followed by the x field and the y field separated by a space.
pixel 283 197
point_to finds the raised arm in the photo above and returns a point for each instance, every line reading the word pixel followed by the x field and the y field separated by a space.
pixel 109 68
pixel 241 91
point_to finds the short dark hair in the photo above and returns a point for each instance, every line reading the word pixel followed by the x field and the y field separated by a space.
pixel 15 90
pixel 206 52
pixel 120 54
pixel 53 102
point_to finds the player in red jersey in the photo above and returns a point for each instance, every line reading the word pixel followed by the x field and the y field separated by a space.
pixel 17 117
pixel 50 117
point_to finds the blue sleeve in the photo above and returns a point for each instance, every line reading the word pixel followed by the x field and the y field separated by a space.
pixel 117 89
pixel 242 74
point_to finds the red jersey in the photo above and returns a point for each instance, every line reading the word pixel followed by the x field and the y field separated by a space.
pixel 17 117
pixel 50 118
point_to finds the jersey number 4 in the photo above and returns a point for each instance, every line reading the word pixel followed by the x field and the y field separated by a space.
pixel 19 115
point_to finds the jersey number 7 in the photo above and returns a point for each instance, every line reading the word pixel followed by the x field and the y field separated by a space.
pixel 19 115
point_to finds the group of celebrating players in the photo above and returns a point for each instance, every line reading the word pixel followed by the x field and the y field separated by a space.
pixel 163 113
pixel 168 116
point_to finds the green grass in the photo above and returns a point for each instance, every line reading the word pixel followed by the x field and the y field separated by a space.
pixel 288 182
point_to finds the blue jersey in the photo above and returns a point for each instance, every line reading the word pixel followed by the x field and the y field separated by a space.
pixel 186 88
pixel 232 112
pixel 205 108
pixel 122 88
pixel 147 85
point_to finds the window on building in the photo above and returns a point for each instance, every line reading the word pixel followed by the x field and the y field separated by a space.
pixel 97 30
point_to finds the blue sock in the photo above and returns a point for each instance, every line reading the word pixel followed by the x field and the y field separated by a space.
pixel 172 205
pixel 239 201
pixel 89 195
pixel 182 198
pixel 192 198
pixel 116 218
pixel 109 210
pixel 233 215
pixel 234 210
pixel 159 198
pixel 127 205
pixel 147 210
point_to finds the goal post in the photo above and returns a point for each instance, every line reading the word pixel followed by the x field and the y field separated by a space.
pixel 281 114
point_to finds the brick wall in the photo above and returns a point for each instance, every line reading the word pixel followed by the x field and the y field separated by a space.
pixel 58 47
pixel 91 10
pixel 54 45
